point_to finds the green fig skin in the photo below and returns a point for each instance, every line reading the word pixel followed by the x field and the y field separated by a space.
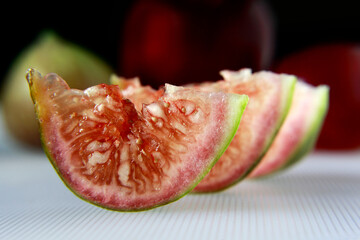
pixel 49 53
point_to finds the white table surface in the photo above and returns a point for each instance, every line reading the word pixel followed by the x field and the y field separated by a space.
pixel 318 198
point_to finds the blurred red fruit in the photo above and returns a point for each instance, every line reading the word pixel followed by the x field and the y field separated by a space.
pixel 182 43
pixel 337 65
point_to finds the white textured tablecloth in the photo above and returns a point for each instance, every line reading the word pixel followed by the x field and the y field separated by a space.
pixel 317 199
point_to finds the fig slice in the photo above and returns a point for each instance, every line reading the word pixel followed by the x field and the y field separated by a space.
pixel 114 156
pixel 299 132
pixel 270 97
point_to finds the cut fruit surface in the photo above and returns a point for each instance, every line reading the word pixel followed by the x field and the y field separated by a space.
pixel 133 90
pixel 270 97
pixel 299 132
pixel 116 157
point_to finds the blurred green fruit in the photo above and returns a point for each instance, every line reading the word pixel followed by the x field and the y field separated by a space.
pixel 48 53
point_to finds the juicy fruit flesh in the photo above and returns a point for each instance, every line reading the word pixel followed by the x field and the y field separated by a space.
pixel 132 87
pixel 114 156
pixel 133 157
pixel 270 96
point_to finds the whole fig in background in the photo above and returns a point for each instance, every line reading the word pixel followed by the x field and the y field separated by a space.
pixel 178 42
pixel 49 53
pixel 336 65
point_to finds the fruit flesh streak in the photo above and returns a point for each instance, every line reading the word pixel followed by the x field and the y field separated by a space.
pixel 123 154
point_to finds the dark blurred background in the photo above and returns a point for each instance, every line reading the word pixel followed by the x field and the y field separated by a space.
pixel 98 25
